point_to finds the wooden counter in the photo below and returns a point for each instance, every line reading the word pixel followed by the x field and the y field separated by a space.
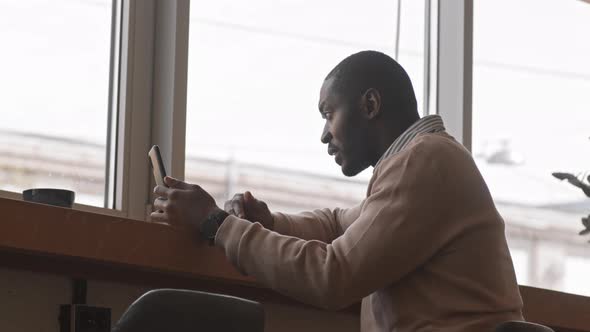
pixel 88 245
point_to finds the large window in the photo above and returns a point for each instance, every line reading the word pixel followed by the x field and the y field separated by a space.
pixel 255 71
pixel 54 87
pixel 531 116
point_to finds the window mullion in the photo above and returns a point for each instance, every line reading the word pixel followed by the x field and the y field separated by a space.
pixel 135 105
pixel 170 83
pixel 454 68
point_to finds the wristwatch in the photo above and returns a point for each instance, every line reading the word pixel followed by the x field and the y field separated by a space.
pixel 212 223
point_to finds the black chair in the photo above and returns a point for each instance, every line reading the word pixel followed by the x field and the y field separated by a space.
pixel 516 326
pixel 170 310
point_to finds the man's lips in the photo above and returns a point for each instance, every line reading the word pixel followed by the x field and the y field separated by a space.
pixel 332 151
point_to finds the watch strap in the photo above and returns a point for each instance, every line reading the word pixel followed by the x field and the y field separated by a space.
pixel 212 223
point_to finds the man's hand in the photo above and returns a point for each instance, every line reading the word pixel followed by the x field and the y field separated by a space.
pixel 182 204
pixel 247 207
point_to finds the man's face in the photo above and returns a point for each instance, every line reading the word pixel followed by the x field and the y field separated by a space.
pixel 345 130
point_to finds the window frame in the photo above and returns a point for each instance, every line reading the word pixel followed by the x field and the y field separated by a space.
pixel 454 68
pixel 153 103
pixel 134 104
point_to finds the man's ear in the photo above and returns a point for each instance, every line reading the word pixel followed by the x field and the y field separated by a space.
pixel 372 103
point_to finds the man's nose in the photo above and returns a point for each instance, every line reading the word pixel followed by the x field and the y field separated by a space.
pixel 326 136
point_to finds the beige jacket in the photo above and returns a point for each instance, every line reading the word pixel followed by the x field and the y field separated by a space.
pixel 425 251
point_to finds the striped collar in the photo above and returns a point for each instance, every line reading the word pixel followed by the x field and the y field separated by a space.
pixel 428 124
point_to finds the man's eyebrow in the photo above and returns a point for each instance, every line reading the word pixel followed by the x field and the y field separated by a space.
pixel 322 106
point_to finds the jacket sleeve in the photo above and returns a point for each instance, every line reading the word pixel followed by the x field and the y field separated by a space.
pixel 323 225
pixel 393 235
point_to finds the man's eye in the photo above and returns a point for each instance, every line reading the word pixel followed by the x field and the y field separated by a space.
pixel 327 115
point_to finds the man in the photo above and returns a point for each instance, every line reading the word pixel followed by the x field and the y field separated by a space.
pixel 424 251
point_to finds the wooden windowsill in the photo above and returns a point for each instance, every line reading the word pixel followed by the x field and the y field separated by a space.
pixel 80 236
pixel 83 244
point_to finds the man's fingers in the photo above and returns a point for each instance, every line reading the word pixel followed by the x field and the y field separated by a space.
pixel 160 204
pixel 248 197
pixel 237 204
pixel 238 208
pixel 159 216
pixel 227 207
pixel 162 191
pixel 240 204
pixel 250 202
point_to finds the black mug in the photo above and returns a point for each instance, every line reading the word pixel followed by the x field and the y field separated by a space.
pixel 57 197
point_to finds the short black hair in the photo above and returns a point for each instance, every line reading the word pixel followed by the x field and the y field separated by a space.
pixel 357 73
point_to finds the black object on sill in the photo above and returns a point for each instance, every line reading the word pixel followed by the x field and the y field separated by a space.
pixel 51 196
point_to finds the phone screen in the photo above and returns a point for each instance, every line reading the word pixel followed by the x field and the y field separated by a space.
pixel 157 165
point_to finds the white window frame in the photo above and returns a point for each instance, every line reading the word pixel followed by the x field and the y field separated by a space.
pixel 454 67
pixel 153 101
pixel 430 56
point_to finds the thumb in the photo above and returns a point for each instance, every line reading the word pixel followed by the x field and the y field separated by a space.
pixel 175 183
pixel 253 203
pixel 250 203
pixel 248 198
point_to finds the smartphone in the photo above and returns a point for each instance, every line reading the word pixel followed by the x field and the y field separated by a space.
pixel 157 165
